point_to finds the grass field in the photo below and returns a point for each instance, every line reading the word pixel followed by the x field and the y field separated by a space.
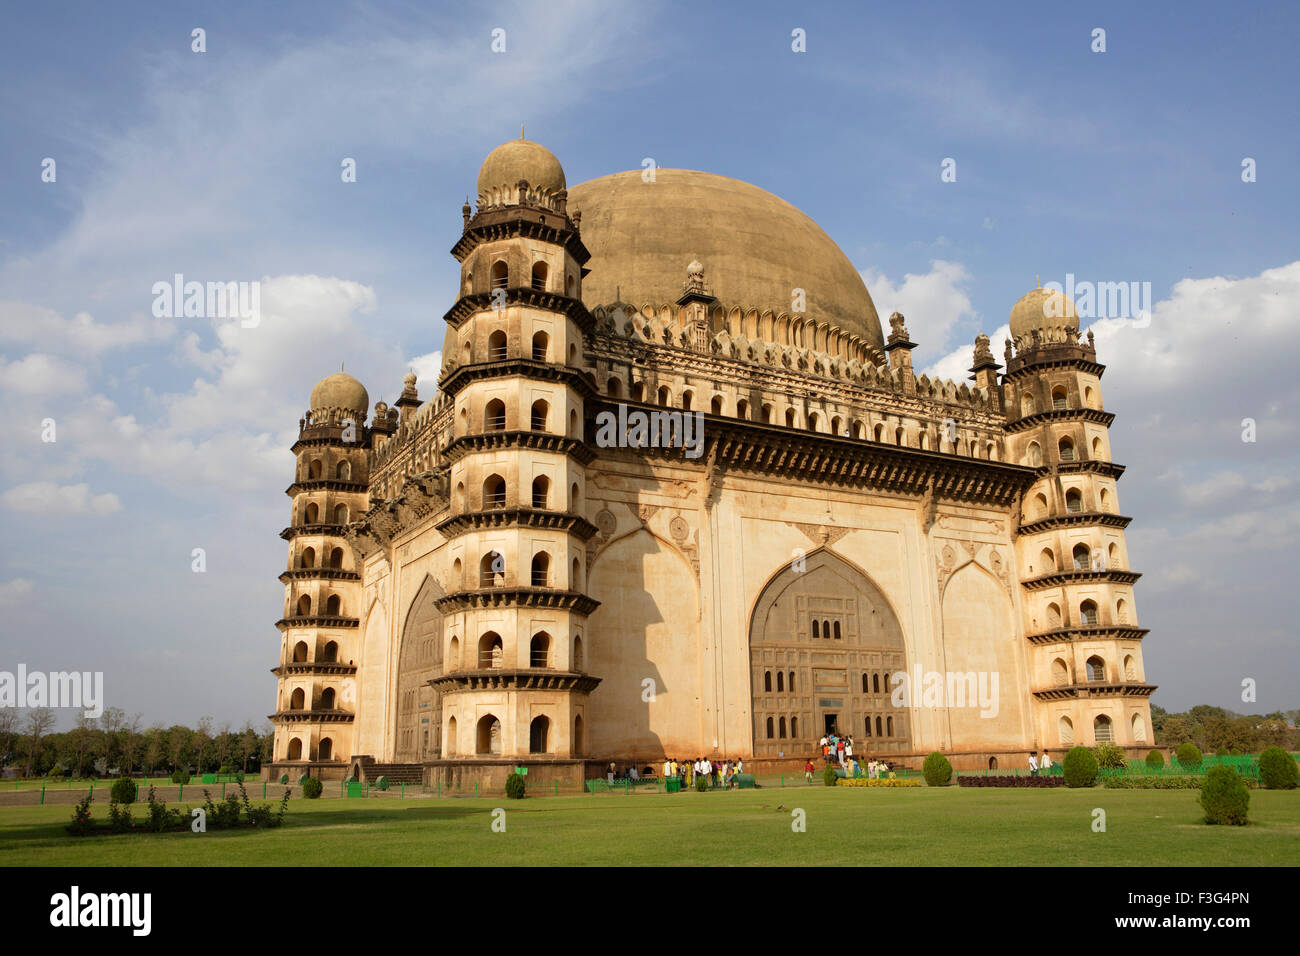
pixel 943 827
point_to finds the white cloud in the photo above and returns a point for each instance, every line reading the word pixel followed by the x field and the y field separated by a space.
pixel 427 368
pixel 14 592
pixel 47 498
pixel 41 374
pixel 46 328
pixel 932 303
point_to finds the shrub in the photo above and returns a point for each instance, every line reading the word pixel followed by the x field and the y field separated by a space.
pixel 701 783
pixel 119 817
pixel 868 782
pixel 1156 760
pixel 1079 767
pixel 1188 781
pixel 180 775
pixel 303 779
pixel 161 818
pixel 284 778
pixel 937 770
pixel 124 791
pixel 1110 756
pixel 82 823
pixel 223 815
pixel 312 788
pixel 1277 769
pixel 514 786
pixel 225 768
pixel 829 776
pixel 1224 797
pixel 382 783
pixel 1188 755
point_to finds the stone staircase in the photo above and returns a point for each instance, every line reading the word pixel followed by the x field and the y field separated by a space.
pixel 397 773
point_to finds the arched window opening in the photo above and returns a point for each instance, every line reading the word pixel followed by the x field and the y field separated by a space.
pixel 1102 729
pixel 879 433
pixel 336 558
pixel 716 405
pixel 1066 448
pixel 340 514
pixel 343 471
pixel 1060 397
pixel 577 654
pixel 575 578
pixel 1034 455
pixel 538 733
pixel 665 395
pixel 1026 405
pixel 492 570
pixel 539 276
pixel 314 469
pixel 1053 616
pixel 327 699
pixel 794 726
pixel 1060 673
pixel 1082 557
pixel 541 344
pixel 311 515
pixel 330 654
pixel 1096 449
pixel 304 606
pixel 494 492
pixel 770 725
pixel 868 726
pixel 500 274
pixel 767 682
pixel 837 630
pixel 541 489
pixel 889 726
pixel 449 744
pixel 789 682
pixel 540 411
pixel 614 388
pixel 780 682
pixel 488 737
pixel 1073 501
pixel 866 686
pixel 769 414
pixel 497 346
pixel 491 651
pixel 494 416
pixel 900 436
pixel 789 418
pixel 575 499
pixel 539 650
pixel 541 570
pixel 300 652
pixel 308 558
pixel 1065 731
pixel 1088 613
pixel 817 627
pixel 687 398
pixel 742 409
pixel 1130 668
pixel 638 391
pixel 1105 500
pixel 875 683
pixel 325 751
pixel 1096 669
pixel 453 652
pixel 1139 729
pixel 1121 611
pixel 297 700
pixel 333 606
pixel 879 730
pixel 578 747
pixel 295 749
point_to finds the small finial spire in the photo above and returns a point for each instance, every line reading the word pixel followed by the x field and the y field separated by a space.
pixel 1037 281
pixel 340 366
pixel 521 130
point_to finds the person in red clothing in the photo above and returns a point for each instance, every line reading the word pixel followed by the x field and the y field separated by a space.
pixel 808 770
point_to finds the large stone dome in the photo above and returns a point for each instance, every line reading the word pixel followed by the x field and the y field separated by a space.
pixel 520 159
pixel 755 247
pixel 340 390
pixel 1042 309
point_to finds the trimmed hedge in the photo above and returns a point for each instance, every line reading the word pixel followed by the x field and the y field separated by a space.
pixel 312 788
pixel 937 770
pixel 1079 768
pixel 1010 780
pixel 1180 782
pixel 1188 755
pixel 1277 769
pixel 1224 797
pixel 124 791
pixel 181 776
pixel 515 786
pixel 1155 760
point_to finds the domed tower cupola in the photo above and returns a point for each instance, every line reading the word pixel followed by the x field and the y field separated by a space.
pixel 521 172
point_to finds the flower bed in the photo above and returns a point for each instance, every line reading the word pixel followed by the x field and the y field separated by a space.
pixel 868 782
pixel 1009 780
pixel 1180 782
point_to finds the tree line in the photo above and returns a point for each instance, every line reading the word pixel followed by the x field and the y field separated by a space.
pixel 1218 731
pixel 117 744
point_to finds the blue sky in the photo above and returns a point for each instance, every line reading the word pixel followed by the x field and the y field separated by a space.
pixel 173 434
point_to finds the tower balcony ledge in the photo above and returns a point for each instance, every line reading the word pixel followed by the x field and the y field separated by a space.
pixel 1060 578
pixel 285 623
pixel 1095 689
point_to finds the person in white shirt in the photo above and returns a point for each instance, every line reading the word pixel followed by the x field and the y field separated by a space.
pixel 1045 763
pixel 1033 764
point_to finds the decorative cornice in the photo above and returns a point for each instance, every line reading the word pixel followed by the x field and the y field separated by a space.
pixel 491 678
pixel 518 221
pixel 285 623
pixel 1079 576
pixel 312 717
pixel 518 439
pixel 1050 415
pixel 458 377
pixel 474 303
pixel 420 496
pixel 1073 519
pixel 322 574
pixel 1089 632
pixel 1030 361
pixel 318 668
pixel 573 524
pixel 1095 689
pixel 297 530
pixel 1088 466
pixel 574 601
pixel 325 484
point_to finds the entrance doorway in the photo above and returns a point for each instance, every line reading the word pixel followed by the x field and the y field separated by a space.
pixel 832 723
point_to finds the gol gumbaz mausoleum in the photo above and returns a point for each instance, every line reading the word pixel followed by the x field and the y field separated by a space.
pixel 474 582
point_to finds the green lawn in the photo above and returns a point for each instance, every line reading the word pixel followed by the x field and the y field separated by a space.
pixel 948 826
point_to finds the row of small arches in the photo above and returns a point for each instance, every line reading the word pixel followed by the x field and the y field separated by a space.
pixel 815 421
pixel 1082 557
pixel 329 653
pixel 327 700
pixel 1074 503
pixel 307 558
pixel 311 513
pixel 324 749
pixel 488 733
pixel 498 348
pixel 316 470
pixel 1103 729
pixel 538 275
pixel 1089 615
pixel 1095 668
pixel 495 419
pixel 333 606
pixel 1060 400
pixel 492 571
pixel 495 494
pixel 491 652
pixel 1065 451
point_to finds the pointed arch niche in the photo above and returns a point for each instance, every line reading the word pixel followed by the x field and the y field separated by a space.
pixel 419 706
pixel 857 634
